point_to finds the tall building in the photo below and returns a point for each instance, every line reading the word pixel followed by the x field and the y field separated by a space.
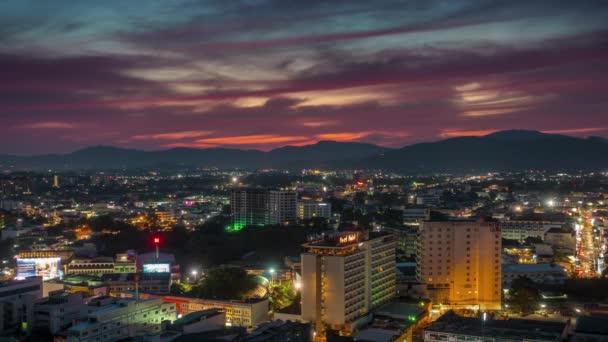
pixel 311 209
pixel 460 262
pixel 345 276
pixel 258 207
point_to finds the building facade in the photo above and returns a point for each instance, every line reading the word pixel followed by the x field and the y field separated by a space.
pixel 238 313
pixel 17 299
pixel 312 209
pixel 521 230
pixel 111 319
pixel 258 207
pixel 345 276
pixel 460 262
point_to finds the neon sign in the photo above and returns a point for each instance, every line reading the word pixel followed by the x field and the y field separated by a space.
pixel 348 239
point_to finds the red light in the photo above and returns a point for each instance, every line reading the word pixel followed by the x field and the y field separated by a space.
pixel 156 241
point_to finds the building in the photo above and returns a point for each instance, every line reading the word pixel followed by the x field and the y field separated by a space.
pixel 258 207
pixel 345 276
pixel 59 310
pixel 460 262
pixel 117 283
pixel 413 216
pixel 539 273
pixel 406 241
pixel 283 207
pixel 249 313
pixel 521 230
pixel 312 209
pixel 279 331
pixel 111 319
pixel 200 321
pixel 592 328
pixel 451 327
pixel 102 265
pixel 17 299
pixel 561 240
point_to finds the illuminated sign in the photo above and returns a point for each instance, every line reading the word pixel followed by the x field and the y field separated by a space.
pixel 47 268
pixel 157 268
pixel 348 239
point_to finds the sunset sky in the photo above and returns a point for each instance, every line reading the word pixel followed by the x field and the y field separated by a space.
pixel 263 74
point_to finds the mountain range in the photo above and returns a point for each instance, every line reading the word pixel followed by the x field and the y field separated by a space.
pixel 500 151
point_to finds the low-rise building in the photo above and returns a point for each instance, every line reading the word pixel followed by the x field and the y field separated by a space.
pixel 561 239
pixel 521 230
pixel 539 273
pixel 59 310
pixel 111 319
pixel 451 327
pixel 248 313
pixel 17 299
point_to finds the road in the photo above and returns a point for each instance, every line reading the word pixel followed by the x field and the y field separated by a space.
pixel 589 254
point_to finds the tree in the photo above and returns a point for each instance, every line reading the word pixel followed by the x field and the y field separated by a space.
pixel 225 283
pixel 523 295
pixel 282 295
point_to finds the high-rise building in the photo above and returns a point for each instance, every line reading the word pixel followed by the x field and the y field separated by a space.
pixel 311 209
pixel 460 262
pixel 345 276
pixel 258 207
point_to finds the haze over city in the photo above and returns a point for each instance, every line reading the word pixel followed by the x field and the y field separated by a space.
pixel 264 74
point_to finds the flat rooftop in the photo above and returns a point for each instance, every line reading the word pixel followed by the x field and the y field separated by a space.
pixel 516 329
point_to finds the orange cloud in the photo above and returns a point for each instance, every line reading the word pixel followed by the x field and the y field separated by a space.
pixel 477 133
pixel 344 136
pixel 49 125
pixel 172 135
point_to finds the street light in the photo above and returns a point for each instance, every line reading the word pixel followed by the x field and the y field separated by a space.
pixel 298 286
pixel 194 273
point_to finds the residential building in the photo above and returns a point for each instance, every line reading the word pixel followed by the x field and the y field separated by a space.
pixel 345 276
pixel 255 207
pixel 17 299
pixel 312 209
pixel 539 273
pixel 279 331
pixel 413 216
pixel 406 238
pixel 561 239
pixel 59 310
pixel 111 319
pixel 460 262
pixel 521 230
pixel 249 313
pixel 451 327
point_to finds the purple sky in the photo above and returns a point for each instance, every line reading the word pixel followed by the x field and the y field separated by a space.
pixel 262 74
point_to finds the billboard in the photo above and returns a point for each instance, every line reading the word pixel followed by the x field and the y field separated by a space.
pixel 157 268
pixel 47 268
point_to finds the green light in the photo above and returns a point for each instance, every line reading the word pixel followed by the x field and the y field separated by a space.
pixel 411 318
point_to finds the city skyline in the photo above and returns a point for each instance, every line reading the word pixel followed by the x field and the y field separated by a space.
pixel 265 74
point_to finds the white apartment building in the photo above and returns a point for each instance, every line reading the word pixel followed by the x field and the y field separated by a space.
pixel 345 276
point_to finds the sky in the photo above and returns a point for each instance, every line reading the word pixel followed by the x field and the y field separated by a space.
pixel 262 74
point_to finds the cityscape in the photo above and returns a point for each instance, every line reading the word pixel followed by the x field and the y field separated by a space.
pixel 304 171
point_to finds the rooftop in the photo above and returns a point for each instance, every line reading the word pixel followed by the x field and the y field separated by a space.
pixel 517 329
